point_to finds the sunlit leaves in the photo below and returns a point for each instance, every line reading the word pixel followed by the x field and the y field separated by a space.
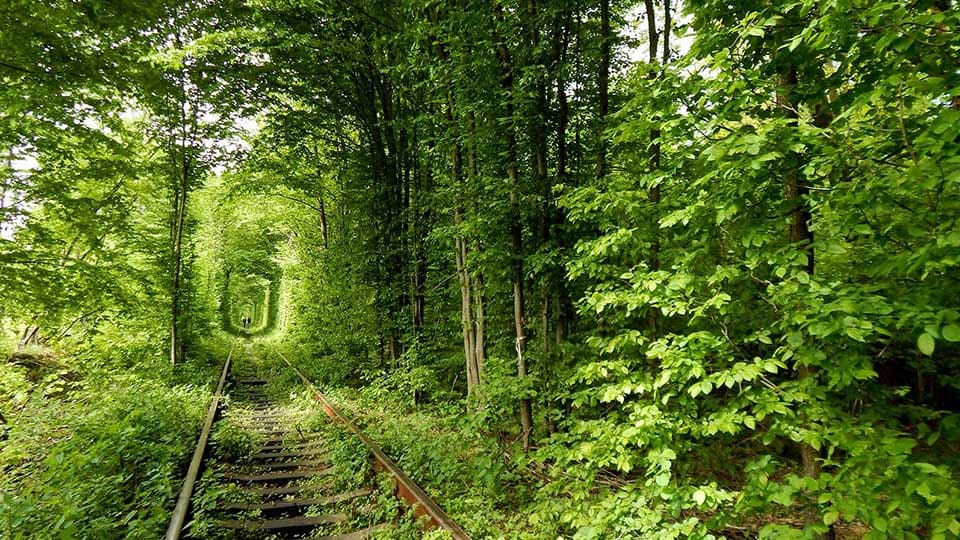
pixel 781 341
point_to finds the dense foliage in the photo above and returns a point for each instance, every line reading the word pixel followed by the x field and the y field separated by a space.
pixel 636 269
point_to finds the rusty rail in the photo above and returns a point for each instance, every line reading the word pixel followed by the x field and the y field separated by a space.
pixel 179 516
pixel 407 489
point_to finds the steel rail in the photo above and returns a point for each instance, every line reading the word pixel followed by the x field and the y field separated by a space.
pixel 407 489
pixel 179 516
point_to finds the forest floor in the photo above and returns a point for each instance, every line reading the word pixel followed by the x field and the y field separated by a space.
pixel 97 438
pixel 97 444
pixel 100 451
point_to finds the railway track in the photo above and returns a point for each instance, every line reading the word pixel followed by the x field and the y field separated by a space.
pixel 282 485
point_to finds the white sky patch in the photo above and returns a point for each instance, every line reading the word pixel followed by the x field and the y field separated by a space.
pixel 25 164
pixel 249 126
pixel 244 128
pixel 11 199
pixel 635 32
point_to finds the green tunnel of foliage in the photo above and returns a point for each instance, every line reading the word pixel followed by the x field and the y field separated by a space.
pixel 255 299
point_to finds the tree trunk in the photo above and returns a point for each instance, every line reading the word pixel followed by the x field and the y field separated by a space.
pixel 30 335
pixel 463 275
pixel 477 296
pixel 469 343
pixel 419 219
pixel 516 237
pixel 654 155
pixel 561 44
pixel 603 86
pixel 541 178
pixel 795 194
pixel 561 296
pixel 181 205
pixel 323 221
pixel 460 243
pixel 3 194
pixel 479 322
pixel 321 206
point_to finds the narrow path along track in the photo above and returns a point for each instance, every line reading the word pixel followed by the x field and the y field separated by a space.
pixel 281 484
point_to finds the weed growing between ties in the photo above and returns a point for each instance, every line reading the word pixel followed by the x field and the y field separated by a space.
pixel 230 440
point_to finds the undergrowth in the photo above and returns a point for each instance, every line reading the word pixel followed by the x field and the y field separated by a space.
pixel 97 446
pixel 464 470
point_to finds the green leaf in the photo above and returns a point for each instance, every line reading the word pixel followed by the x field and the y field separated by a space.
pixel 830 517
pixel 783 497
pixel 926 344
pixel 699 497
pixel 951 332
pixel 856 334
pixel 795 42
